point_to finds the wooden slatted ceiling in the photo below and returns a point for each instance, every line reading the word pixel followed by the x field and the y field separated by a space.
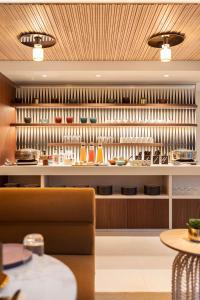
pixel 89 32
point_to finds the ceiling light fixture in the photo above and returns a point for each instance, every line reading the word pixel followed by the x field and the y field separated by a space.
pixel 165 41
pixel 38 41
pixel 98 75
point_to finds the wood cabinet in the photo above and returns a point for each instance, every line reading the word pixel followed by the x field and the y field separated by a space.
pixel 148 213
pixel 111 213
pixel 132 213
pixel 184 209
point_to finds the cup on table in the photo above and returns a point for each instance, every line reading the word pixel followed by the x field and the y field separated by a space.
pixel 69 120
pixel 58 120
pixel 35 243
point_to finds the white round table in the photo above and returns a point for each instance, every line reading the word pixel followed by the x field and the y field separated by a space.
pixel 44 277
pixel 186 265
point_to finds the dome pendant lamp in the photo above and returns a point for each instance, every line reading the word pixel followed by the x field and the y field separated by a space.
pixel 38 41
pixel 165 41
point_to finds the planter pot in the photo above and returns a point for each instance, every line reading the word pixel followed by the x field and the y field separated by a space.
pixel 193 234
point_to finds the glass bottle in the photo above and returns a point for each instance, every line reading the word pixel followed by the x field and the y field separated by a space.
pixel 45 158
pixel 83 153
pixel 55 156
pixel 61 156
pixel 100 156
pixel 91 154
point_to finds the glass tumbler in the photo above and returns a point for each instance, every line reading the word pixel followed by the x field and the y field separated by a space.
pixel 35 243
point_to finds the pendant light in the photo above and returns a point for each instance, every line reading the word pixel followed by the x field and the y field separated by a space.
pixel 38 41
pixel 38 51
pixel 165 41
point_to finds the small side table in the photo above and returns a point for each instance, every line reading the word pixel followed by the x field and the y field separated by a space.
pixel 186 265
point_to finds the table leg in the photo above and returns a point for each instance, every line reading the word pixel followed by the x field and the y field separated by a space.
pixel 186 277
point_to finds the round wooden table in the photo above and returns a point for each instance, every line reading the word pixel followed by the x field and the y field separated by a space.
pixel 44 277
pixel 186 265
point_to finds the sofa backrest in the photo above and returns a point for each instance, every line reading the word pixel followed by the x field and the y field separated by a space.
pixel 64 216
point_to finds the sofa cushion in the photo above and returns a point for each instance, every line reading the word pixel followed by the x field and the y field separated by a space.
pixel 47 204
pixel 83 267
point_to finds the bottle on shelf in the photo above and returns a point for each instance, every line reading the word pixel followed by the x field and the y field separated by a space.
pixel 61 156
pixel 91 154
pixel 45 158
pixel 83 153
pixel 100 155
pixel 55 156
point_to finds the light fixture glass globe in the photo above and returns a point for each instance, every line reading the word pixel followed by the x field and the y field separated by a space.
pixel 165 53
pixel 38 53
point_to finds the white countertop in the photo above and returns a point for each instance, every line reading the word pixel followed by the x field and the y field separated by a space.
pixel 99 170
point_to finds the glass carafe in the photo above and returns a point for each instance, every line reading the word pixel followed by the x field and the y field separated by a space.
pixel 100 156
pixel 91 154
pixel 83 153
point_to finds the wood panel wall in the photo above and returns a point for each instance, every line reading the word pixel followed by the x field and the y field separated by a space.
pixel 7 116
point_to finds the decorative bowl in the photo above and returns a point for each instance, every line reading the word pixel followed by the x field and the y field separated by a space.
pixel 27 119
pixel 58 119
pixel 112 162
pixel 69 119
pixel 193 234
pixel 121 162
pixel 83 120
pixel 93 120
pixel 73 101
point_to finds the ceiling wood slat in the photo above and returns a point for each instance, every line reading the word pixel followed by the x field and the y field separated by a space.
pixel 99 32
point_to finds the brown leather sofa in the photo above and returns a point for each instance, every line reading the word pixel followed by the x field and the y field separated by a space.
pixel 66 219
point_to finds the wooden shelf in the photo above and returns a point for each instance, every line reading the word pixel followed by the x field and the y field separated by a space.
pixel 138 196
pixel 106 105
pixel 108 144
pixel 192 196
pixel 102 124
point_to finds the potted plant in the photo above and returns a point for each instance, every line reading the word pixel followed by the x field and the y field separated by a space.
pixel 194 230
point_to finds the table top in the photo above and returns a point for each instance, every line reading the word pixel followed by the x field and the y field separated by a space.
pixel 44 277
pixel 177 239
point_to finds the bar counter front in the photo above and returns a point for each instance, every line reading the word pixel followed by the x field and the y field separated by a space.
pixel 179 196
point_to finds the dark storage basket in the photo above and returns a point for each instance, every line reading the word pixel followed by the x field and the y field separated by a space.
pixel 125 190
pixel 104 190
pixel 152 189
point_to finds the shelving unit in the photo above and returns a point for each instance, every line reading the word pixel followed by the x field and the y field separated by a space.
pixel 106 105
pixel 171 125
pixel 138 196
pixel 102 124
pixel 108 145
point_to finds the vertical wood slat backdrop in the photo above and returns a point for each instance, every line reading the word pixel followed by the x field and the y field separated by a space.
pixel 170 137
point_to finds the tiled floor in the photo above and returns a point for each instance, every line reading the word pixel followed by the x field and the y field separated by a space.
pixel 132 263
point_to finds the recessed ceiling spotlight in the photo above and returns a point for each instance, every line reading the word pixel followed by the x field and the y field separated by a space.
pixel 38 41
pixel 165 41
pixel 166 75
pixel 44 75
pixel 98 75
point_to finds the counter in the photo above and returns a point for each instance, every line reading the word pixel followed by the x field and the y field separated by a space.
pixel 100 170
pixel 179 199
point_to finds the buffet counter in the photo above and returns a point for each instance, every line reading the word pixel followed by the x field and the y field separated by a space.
pixel 100 170
pixel 177 201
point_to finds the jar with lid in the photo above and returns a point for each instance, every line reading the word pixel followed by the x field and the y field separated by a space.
pixel 55 156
